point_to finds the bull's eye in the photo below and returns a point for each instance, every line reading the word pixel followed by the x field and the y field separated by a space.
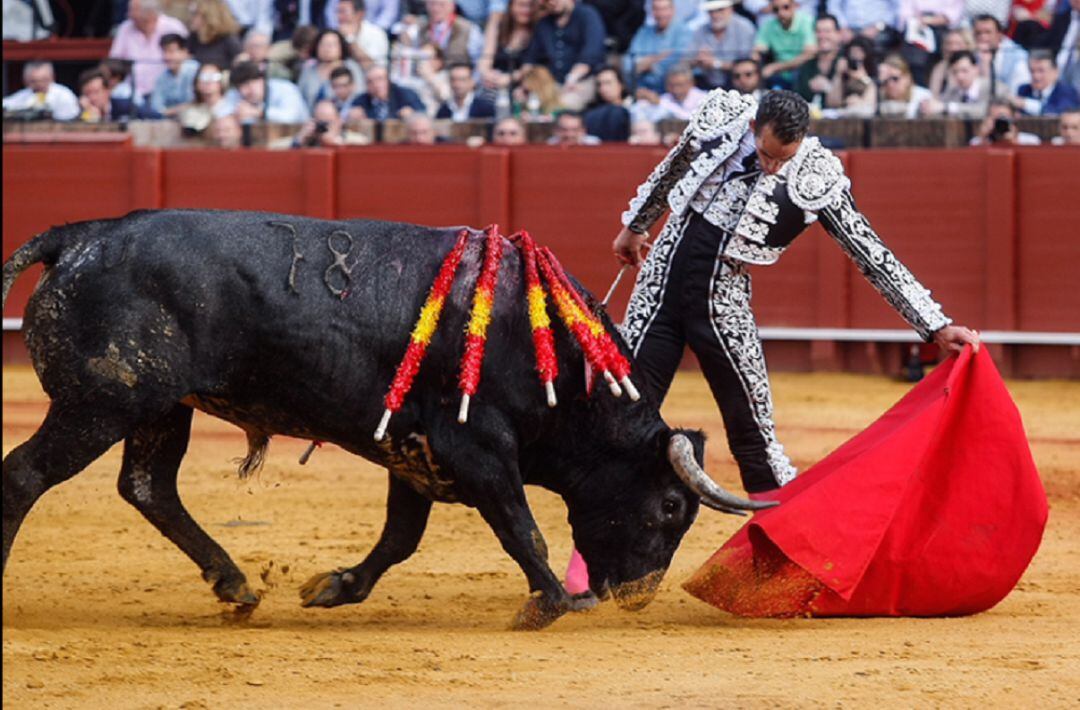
pixel 670 507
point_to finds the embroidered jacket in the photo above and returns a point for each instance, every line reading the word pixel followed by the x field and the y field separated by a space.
pixel 765 213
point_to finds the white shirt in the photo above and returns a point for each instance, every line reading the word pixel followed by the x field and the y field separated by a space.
pixel 707 192
pixel 256 14
pixel 59 99
pixel 373 42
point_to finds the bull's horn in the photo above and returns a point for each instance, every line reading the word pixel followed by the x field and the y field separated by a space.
pixel 681 455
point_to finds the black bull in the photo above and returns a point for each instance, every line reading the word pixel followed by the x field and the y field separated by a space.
pixel 294 326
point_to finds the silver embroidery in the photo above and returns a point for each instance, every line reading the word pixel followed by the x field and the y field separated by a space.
pixel 651 283
pixel 816 176
pixel 649 202
pixel 881 268
pixel 759 254
pixel 723 114
pixel 735 329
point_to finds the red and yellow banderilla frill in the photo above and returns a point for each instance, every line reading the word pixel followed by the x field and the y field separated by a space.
pixel 547 365
pixel 586 329
pixel 422 333
pixel 479 320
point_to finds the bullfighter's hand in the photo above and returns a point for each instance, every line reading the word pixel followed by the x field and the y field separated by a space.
pixel 627 246
pixel 953 338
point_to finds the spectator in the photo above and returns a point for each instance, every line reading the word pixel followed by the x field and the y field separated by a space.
pixel 459 39
pixel 922 23
pixel 138 40
pixel 688 13
pixel 209 91
pixel 43 97
pixel 384 100
pixel 325 129
pixel 877 20
pixel 717 44
pixel 644 133
pixel 509 131
pixel 290 55
pixel 119 80
pixel 1063 39
pixel 815 76
pixel 505 46
pixel 1029 20
pixel 968 95
pixel 900 95
pixel 538 93
pixel 853 91
pixel 569 42
pixel 570 130
pixel 419 130
pixel 331 52
pixel 657 47
pixel 215 36
pixel 343 91
pixel 998 56
pixel 955 40
pixel 1068 129
pixel 464 104
pixel 999 127
pixel 682 97
pixel 787 40
pixel 621 19
pixel 1045 95
pixel 256 98
pixel 746 78
pixel 609 119
pixel 479 12
pixel 367 41
pixel 176 86
pixel 257 15
pixel 97 103
pixel 256 48
pixel 226 132
pixel 423 71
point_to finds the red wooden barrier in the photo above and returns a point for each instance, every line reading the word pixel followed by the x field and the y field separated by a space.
pixel 992 232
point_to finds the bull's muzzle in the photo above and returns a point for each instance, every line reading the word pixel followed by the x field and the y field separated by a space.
pixel 636 595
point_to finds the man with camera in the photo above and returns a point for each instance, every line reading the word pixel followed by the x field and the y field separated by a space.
pixel 325 129
pixel 42 98
pixel 999 127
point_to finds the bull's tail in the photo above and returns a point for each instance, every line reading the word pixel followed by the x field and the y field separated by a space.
pixel 45 248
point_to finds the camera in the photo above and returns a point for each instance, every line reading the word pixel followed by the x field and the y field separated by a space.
pixel 321 127
pixel 1002 128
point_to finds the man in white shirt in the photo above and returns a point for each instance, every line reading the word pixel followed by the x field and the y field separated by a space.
pixel 1010 60
pixel 368 41
pixel 682 96
pixel 42 92
pixel 254 98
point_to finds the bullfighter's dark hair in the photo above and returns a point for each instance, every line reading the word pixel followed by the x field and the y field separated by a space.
pixel 244 72
pixel 786 113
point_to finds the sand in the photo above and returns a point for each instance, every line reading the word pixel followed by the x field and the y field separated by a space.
pixel 100 611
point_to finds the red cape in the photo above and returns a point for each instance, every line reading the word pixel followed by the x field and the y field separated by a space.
pixel 936 509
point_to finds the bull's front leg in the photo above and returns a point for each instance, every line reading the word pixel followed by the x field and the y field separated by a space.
pixel 503 505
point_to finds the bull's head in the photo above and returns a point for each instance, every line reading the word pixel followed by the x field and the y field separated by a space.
pixel 629 532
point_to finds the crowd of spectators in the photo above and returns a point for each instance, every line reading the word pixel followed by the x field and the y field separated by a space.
pixel 599 70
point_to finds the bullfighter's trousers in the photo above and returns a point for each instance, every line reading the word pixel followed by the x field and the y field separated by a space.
pixel 686 294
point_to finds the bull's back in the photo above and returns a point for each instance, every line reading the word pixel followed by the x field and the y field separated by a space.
pixel 220 299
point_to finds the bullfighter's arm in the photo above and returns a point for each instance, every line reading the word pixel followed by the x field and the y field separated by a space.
pixel 852 231
pixel 651 199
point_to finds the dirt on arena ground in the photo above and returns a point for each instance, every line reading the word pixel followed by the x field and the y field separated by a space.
pixel 101 611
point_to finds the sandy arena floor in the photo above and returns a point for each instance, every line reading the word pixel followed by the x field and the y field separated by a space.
pixel 100 611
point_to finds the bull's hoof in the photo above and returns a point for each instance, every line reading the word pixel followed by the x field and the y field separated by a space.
pixel 585 601
pixel 236 591
pixel 327 589
pixel 538 613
